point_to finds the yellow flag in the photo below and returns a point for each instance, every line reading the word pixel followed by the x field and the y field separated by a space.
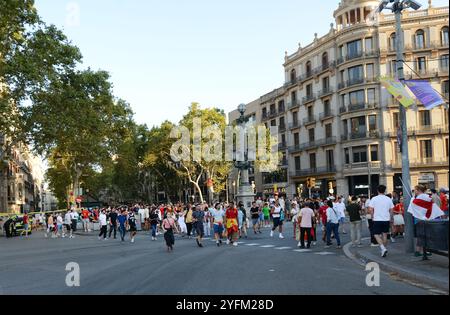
pixel 398 90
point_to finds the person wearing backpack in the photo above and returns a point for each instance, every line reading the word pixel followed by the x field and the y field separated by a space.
pixel 333 217
pixel 169 226
pixel 278 217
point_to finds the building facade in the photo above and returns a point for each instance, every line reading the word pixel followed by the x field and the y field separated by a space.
pixel 339 126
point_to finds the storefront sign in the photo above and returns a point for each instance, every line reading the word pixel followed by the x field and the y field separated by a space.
pixel 426 178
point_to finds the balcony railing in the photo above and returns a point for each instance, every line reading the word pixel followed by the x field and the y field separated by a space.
pixel 294 125
pixel 283 162
pixel 326 114
pixel 309 120
pixel 363 165
pixel 354 81
pixel 422 162
pixel 356 107
pixel 309 98
pixel 282 146
pixel 354 55
pixel 282 128
pixel 330 141
pixel 294 104
pixel 326 91
pixel 294 148
pixel 314 171
pixel 361 135
pixel 281 109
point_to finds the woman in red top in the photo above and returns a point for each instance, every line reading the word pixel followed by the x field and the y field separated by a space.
pixel 399 221
pixel 231 216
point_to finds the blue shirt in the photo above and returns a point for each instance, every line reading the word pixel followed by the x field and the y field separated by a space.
pixel 122 219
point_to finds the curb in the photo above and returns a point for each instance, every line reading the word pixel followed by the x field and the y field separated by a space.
pixel 389 267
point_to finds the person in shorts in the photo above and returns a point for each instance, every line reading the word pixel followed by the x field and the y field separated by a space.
pixel 255 215
pixel 199 216
pixel 382 208
pixel 218 216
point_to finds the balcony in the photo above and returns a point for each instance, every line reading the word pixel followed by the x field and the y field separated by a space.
pixel 264 116
pixel 361 135
pixel 363 165
pixel 356 107
pixel 309 120
pixel 309 98
pixel 281 109
pixel 282 128
pixel 282 146
pixel 422 73
pixel 311 144
pixel 293 105
pixel 422 162
pixel 354 55
pixel 326 114
pixel 294 125
pixel 314 171
pixel 283 163
pixel 354 81
pixel 292 82
pixel 294 148
pixel 443 70
pixel 329 141
pixel 326 91
pixel 422 130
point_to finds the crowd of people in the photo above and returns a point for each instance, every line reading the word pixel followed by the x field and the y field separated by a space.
pixel 312 218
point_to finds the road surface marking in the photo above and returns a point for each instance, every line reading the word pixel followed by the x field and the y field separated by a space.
pixel 267 246
pixel 324 253
pixel 302 250
pixel 283 248
pixel 252 244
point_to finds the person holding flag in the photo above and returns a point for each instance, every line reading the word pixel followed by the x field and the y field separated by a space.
pixel 231 216
pixel 422 206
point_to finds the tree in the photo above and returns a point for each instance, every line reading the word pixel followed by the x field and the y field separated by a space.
pixel 211 161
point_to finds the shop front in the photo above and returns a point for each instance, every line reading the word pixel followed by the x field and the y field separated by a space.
pixel 361 185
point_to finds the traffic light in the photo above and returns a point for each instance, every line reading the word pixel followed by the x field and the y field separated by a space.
pixel 330 185
pixel 308 182
pixel 313 182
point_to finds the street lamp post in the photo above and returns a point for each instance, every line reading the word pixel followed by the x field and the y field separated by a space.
pixel 397 7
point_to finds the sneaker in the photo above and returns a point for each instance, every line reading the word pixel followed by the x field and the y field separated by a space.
pixel 218 244
pixel 313 243
pixel 384 253
pixel 374 245
pixel 327 246
pixel 271 233
pixel 228 242
pixel 359 245
pixel 392 240
pixel 338 247
pixel 132 240
pixel 299 244
pixel 235 244
pixel 220 241
pixel 281 236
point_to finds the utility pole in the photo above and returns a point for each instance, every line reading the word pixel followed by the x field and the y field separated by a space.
pixel 397 7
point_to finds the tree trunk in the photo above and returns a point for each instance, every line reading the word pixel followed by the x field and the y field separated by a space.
pixel 197 187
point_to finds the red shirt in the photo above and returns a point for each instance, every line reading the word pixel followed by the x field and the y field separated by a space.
pixel 323 214
pixel 399 209
pixel 231 213
pixel 444 205
pixel 85 214
pixel 25 219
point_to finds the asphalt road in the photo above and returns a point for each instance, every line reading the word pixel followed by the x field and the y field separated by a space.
pixel 259 265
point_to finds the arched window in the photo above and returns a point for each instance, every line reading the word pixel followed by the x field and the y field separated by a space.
pixel 293 75
pixel 420 39
pixel 392 42
pixel 324 60
pixel 308 69
pixel 444 36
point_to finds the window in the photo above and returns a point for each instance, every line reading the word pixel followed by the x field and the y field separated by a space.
pixel 297 163
pixel 425 118
pixel 282 124
pixel 273 110
pixel 371 96
pixel 369 71
pixel 328 131
pixel 309 91
pixel 273 123
pixel 342 76
pixel 283 140
pixel 392 42
pixel 345 128
pixel 327 108
pixel 296 139
pixel 342 97
pixel 293 75
pixel 357 97
pixel 355 73
pixel 341 51
pixel 368 44
pixel 444 62
pixel 264 112
pixel 347 156
pixel 293 97
pixel 308 69
pixel 281 107
pixel 326 83
pixel 426 150
pixel 359 125
pixel 395 120
pixel 372 122
pixel 359 154
pixel 444 36
pixel 445 88
pixel 330 159
pixel 420 39
pixel 393 67
pixel 421 64
pixel 446 147
pixel 310 113
pixel 374 153
pixel 312 160
pixel 295 118
pixel 324 60
pixel 311 135
pixel 354 49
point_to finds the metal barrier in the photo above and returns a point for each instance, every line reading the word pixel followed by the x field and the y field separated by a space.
pixel 433 237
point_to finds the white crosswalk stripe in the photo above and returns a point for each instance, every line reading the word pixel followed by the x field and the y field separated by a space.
pixel 254 244
pixel 324 253
pixel 283 248
pixel 267 246
pixel 302 250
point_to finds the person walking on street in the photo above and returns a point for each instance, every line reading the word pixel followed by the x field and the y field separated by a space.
pixel 132 225
pixel 218 216
pixel 254 213
pixel 74 218
pixel 50 226
pixel 207 223
pixel 231 216
pixel 154 223
pixel 103 225
pixel 113 223
pixel 242 218
pixel 277 222
pixel 199 216
pixel 354 212
pixel 340 209
pixel 25 221
pixel 369 217
pixel 266 213
pixel 305 221
pixel 60 224
pixel 332 225
pixel 382 208
pixel 68 224
pixel 399 220
pixel 169 226
pixel 122 219
pixel 189 220
pixel 85 220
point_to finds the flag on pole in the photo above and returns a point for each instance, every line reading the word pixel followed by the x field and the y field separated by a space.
pixel 425 93
pixel 398 90
pixel 423 208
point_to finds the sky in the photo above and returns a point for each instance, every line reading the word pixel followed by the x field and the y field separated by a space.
pixel 163 55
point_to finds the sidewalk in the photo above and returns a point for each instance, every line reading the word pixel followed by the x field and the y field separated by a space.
pixel 433 272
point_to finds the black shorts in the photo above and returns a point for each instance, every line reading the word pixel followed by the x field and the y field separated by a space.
pixel 133 228
pixel 68 227
pixel 380 227
pixel 199 228
pixel 277 222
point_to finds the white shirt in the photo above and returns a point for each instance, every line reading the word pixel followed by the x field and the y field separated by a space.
pixel 276 212
pixel 381 205
pixel 102 219
pixel 146 213
pixel 74 215
pixel 68 218
pixel 59 220
pixel 141 214
pixel 339 207
pixel 332 215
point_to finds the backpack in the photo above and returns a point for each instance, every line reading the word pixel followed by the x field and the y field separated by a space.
pixel 282 214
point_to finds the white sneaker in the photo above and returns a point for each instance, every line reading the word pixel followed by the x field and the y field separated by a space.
pixel 228 242
pixel 384 253
pixel 132 240
pixel 271 233
pixel 392 239
pixel 299 244
pixel 314 243
pixel 281 236
pixel 374 245
pixel 235 244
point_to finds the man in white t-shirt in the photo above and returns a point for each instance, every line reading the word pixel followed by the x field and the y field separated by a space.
pixel 146 218
pixel 382 209
pixel 141 213
pixel 339 207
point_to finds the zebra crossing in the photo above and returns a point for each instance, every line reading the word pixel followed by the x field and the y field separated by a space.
pixel 282 248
